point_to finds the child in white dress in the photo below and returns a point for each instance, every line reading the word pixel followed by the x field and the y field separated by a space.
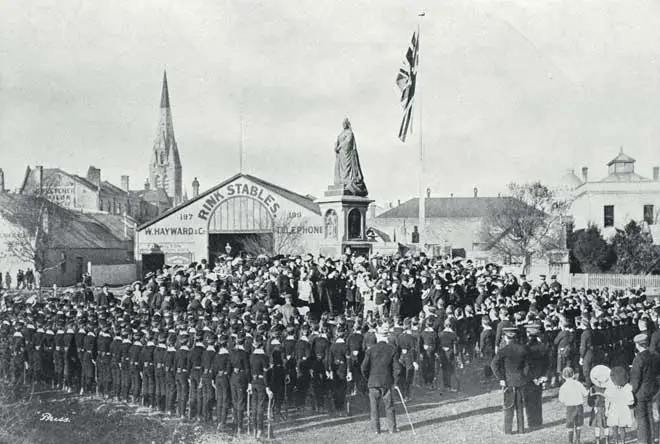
pixel 619 399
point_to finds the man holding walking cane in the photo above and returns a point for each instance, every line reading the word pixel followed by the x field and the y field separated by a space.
pixel 381 368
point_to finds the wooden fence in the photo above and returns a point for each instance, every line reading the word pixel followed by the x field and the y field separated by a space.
pixel 616 281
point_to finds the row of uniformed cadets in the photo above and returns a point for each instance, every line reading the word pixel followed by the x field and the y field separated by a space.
pixel 430 345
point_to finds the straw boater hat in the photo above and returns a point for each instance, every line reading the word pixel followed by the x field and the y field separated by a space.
pixel 600 376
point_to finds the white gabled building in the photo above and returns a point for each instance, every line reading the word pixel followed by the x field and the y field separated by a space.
pixel 623 195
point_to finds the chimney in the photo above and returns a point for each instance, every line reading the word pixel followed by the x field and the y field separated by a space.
pixel 476 192
pixel 428 192
pixel 125 183
pixel 398 202
pixel 451 195
pixel 94 175
pixel 2 181
pixel 585 174
pixel 146 185
pixel 40 179
pixel 656 173
pixel 195 186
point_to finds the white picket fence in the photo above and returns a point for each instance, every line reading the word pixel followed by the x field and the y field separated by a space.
pixel 616 281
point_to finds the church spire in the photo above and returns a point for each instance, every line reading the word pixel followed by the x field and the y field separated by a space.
pixel 165 94
pixel 165 165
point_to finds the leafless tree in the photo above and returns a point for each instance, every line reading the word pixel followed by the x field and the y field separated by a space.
pixel 287 238
pixel 527 224
pixel 33 223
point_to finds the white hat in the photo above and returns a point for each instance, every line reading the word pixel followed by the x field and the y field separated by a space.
pixel 600 376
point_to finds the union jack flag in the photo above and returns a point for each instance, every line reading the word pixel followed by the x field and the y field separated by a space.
pixel 406 80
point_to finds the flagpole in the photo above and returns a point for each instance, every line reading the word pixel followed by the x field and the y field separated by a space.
pixel 422 195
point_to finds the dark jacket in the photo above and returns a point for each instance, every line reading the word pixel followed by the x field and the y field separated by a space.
pixel 381 365
pixel 644 374
pixel 511 365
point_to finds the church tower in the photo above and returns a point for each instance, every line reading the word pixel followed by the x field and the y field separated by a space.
pixel 165 165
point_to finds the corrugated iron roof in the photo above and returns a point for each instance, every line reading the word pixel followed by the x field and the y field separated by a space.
pixel 449 207
pixel 69 229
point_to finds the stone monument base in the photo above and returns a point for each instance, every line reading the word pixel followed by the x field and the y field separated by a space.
pixel 344 219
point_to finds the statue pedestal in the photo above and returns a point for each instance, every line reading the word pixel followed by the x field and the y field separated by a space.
pixel 344 220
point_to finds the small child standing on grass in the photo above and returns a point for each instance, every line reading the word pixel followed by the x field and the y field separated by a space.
pixel 600 376
pixel 572 394
pixel 619 398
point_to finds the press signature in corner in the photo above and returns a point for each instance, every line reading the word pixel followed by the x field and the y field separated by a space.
pixel 48 417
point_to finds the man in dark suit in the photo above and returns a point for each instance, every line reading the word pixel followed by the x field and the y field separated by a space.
pixel 509 366
pixel 587 350
pixel 381 368
pixel 539 362
pixel 643 378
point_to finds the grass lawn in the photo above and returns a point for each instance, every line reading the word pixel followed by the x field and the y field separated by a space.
pixel 474 415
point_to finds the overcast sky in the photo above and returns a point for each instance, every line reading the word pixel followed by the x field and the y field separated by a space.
pixel 512 90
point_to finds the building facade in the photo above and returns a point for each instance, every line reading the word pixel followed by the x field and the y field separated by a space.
pixel 453 225
pixel 92 194
pixel 58 243
pixel 623 195
pixel 245 212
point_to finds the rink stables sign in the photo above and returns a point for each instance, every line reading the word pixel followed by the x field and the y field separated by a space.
pixel 235 190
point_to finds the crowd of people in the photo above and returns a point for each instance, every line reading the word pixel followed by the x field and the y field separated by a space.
pixel 298 333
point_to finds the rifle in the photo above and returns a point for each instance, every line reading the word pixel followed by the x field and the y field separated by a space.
pixel 190 402
pixel 249 392
pixel 349 393
pixel 269 430
pixel 96 376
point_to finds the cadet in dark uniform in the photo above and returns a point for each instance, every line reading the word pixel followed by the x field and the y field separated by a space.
pixel 58 356
pixel 182 367
pixel 48 345
pixel 135 366
pixel 148 375
pixel 303 353
pixel 103 343
pixel 88 360
pixel 290 375
pixel 509 367
pixel 259 388
pixel 5 350
pixel 339 356
pixel 539 361
pixel 159 372
pixel 208 356
pixel 408 348
pixel 429 352
pixel 381 369
pixel 221 371
pixel 170 373
pixel 125 365
pixel 239 380
pixel 115 362
pixel 19 358
pixel 196 375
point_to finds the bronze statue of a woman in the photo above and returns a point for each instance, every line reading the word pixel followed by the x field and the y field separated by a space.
pixel 347 165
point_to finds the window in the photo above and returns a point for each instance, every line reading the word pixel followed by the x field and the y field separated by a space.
pixel 649 216
pixel 608 216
